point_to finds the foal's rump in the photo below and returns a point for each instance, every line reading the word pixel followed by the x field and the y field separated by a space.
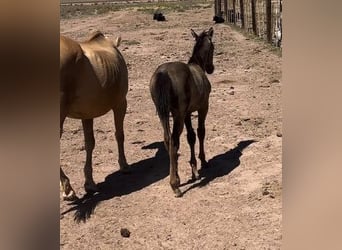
pixel 160 87
pixel 169 87
pixel 185 85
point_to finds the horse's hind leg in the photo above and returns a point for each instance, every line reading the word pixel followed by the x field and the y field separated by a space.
pixel 166 139
pixel 166 128
pixel 68 192
pixel 191 136
pixel 202 114
pixel 119 115
pixel 89 184
pixel 178 125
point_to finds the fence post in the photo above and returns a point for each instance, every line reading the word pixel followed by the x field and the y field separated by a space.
pixel 219 8
pixel 254 17
pixel 242 14
pixel 234 12
pixel 228 12
pixel 269 20
pixel 225 5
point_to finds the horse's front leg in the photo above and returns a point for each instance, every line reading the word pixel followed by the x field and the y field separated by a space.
pixel 119 116
pixel 89 184
pixel 202 114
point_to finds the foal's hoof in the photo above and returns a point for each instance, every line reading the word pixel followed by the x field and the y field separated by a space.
pixel 195 176
pixel 125 169
pixel 70 197
pixel 204 164
pixel 91 188
pixel 178 193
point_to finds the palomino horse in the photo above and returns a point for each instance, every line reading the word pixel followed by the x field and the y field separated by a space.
pixel 181 89
pixel 93 80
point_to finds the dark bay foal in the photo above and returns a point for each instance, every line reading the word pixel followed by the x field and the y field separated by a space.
pixel 181 89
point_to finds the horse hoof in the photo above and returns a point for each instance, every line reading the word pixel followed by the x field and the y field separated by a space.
pixel 195 177
pixel 91 188
pixel 178 193
pixel 205 164
pixel 125 169
pixel 70 197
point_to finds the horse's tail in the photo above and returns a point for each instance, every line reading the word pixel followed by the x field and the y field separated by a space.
pixel 161 87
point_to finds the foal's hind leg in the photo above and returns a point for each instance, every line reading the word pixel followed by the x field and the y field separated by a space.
pixel 68 192
pixel 89 184
pixel 166 139
pixel 178 125
pixel 191 136
pixel 202 114
pixel 119 115
pixel 166 124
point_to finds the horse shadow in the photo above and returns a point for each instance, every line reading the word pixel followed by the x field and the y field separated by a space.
pixel 219 166
pixel 145 172
pixel 142 174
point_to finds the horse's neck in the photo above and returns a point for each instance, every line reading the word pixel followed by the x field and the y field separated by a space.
pixel 196 60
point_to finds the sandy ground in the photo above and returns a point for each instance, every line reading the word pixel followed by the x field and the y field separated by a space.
pixel 237 203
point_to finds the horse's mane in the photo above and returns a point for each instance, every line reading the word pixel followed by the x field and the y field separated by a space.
pixel 197 45
pixel 200 40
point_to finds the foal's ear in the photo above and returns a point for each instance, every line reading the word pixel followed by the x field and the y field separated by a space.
pixel 193 33
pixel 211 32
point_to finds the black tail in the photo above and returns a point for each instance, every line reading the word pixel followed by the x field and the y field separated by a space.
pixel 161 93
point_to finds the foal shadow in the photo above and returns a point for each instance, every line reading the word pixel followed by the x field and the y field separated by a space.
pixel 220 165
pixel 142 174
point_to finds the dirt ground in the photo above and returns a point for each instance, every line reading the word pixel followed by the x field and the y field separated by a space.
pixel 237 202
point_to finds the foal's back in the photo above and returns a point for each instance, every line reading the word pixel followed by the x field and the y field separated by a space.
pixel 189 84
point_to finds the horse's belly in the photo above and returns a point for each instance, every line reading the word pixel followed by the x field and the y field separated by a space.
pixel 197 102
pixel 83 108
pixel 193 108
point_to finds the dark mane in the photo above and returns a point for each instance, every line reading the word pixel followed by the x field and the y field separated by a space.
pixel 198 44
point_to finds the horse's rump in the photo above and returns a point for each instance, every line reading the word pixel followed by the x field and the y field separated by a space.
pixel 161 87
pixel 93 76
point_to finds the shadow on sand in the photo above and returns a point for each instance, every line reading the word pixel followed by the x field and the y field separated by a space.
pixel 219 166
pixel 144 173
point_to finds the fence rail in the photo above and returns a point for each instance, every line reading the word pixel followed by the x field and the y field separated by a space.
pixel 263 18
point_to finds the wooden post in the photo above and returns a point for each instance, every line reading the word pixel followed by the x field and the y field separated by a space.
pixel 234 12
pixel 228 12
pixel 254 17
pixel 218 8
pixel 215 6
pixel 225 3
pixel 269 20
pixel 242 14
